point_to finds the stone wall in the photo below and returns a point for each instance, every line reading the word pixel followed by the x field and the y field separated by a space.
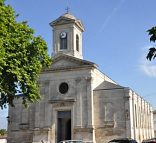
pixel 154 120
pixel 109 114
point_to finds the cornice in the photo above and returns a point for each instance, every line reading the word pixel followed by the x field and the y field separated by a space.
pixel 48 70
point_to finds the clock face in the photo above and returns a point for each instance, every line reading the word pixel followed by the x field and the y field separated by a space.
pixel 63 34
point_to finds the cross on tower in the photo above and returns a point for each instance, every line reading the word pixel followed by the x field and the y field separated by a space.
pixel 67 9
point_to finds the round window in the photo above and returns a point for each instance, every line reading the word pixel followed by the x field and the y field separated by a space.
pixel 63 88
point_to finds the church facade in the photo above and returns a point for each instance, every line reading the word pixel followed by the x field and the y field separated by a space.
pixel 78 101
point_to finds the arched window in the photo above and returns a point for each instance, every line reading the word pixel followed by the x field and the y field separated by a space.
pixel 63 41
pixel 77 42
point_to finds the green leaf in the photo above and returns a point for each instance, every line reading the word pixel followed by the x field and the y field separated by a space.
pixel 22 56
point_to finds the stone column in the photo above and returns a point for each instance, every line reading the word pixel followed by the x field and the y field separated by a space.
pixel 152 125
pixel 37 115
pixel 134 115
pixel 89 102
pixel 128 112
pixel 78 112
pixel 90 106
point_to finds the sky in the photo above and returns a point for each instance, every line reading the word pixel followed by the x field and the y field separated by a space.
pixel 115 37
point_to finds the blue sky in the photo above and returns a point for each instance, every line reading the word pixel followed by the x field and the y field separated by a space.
pixel 115 37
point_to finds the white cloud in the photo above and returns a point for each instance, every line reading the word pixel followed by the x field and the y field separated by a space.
pixel 147 67
pixel 149 70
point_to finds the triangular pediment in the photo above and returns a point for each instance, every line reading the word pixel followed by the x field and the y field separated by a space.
pixel 106 85
pixel 68 62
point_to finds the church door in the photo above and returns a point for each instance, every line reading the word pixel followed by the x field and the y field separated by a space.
pixel 63 125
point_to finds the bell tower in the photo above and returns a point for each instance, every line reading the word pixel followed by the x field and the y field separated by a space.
pixel 67 36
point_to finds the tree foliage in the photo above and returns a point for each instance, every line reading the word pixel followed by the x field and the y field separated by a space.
pixel 152 51
pixel 3 132
pixel 22 57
